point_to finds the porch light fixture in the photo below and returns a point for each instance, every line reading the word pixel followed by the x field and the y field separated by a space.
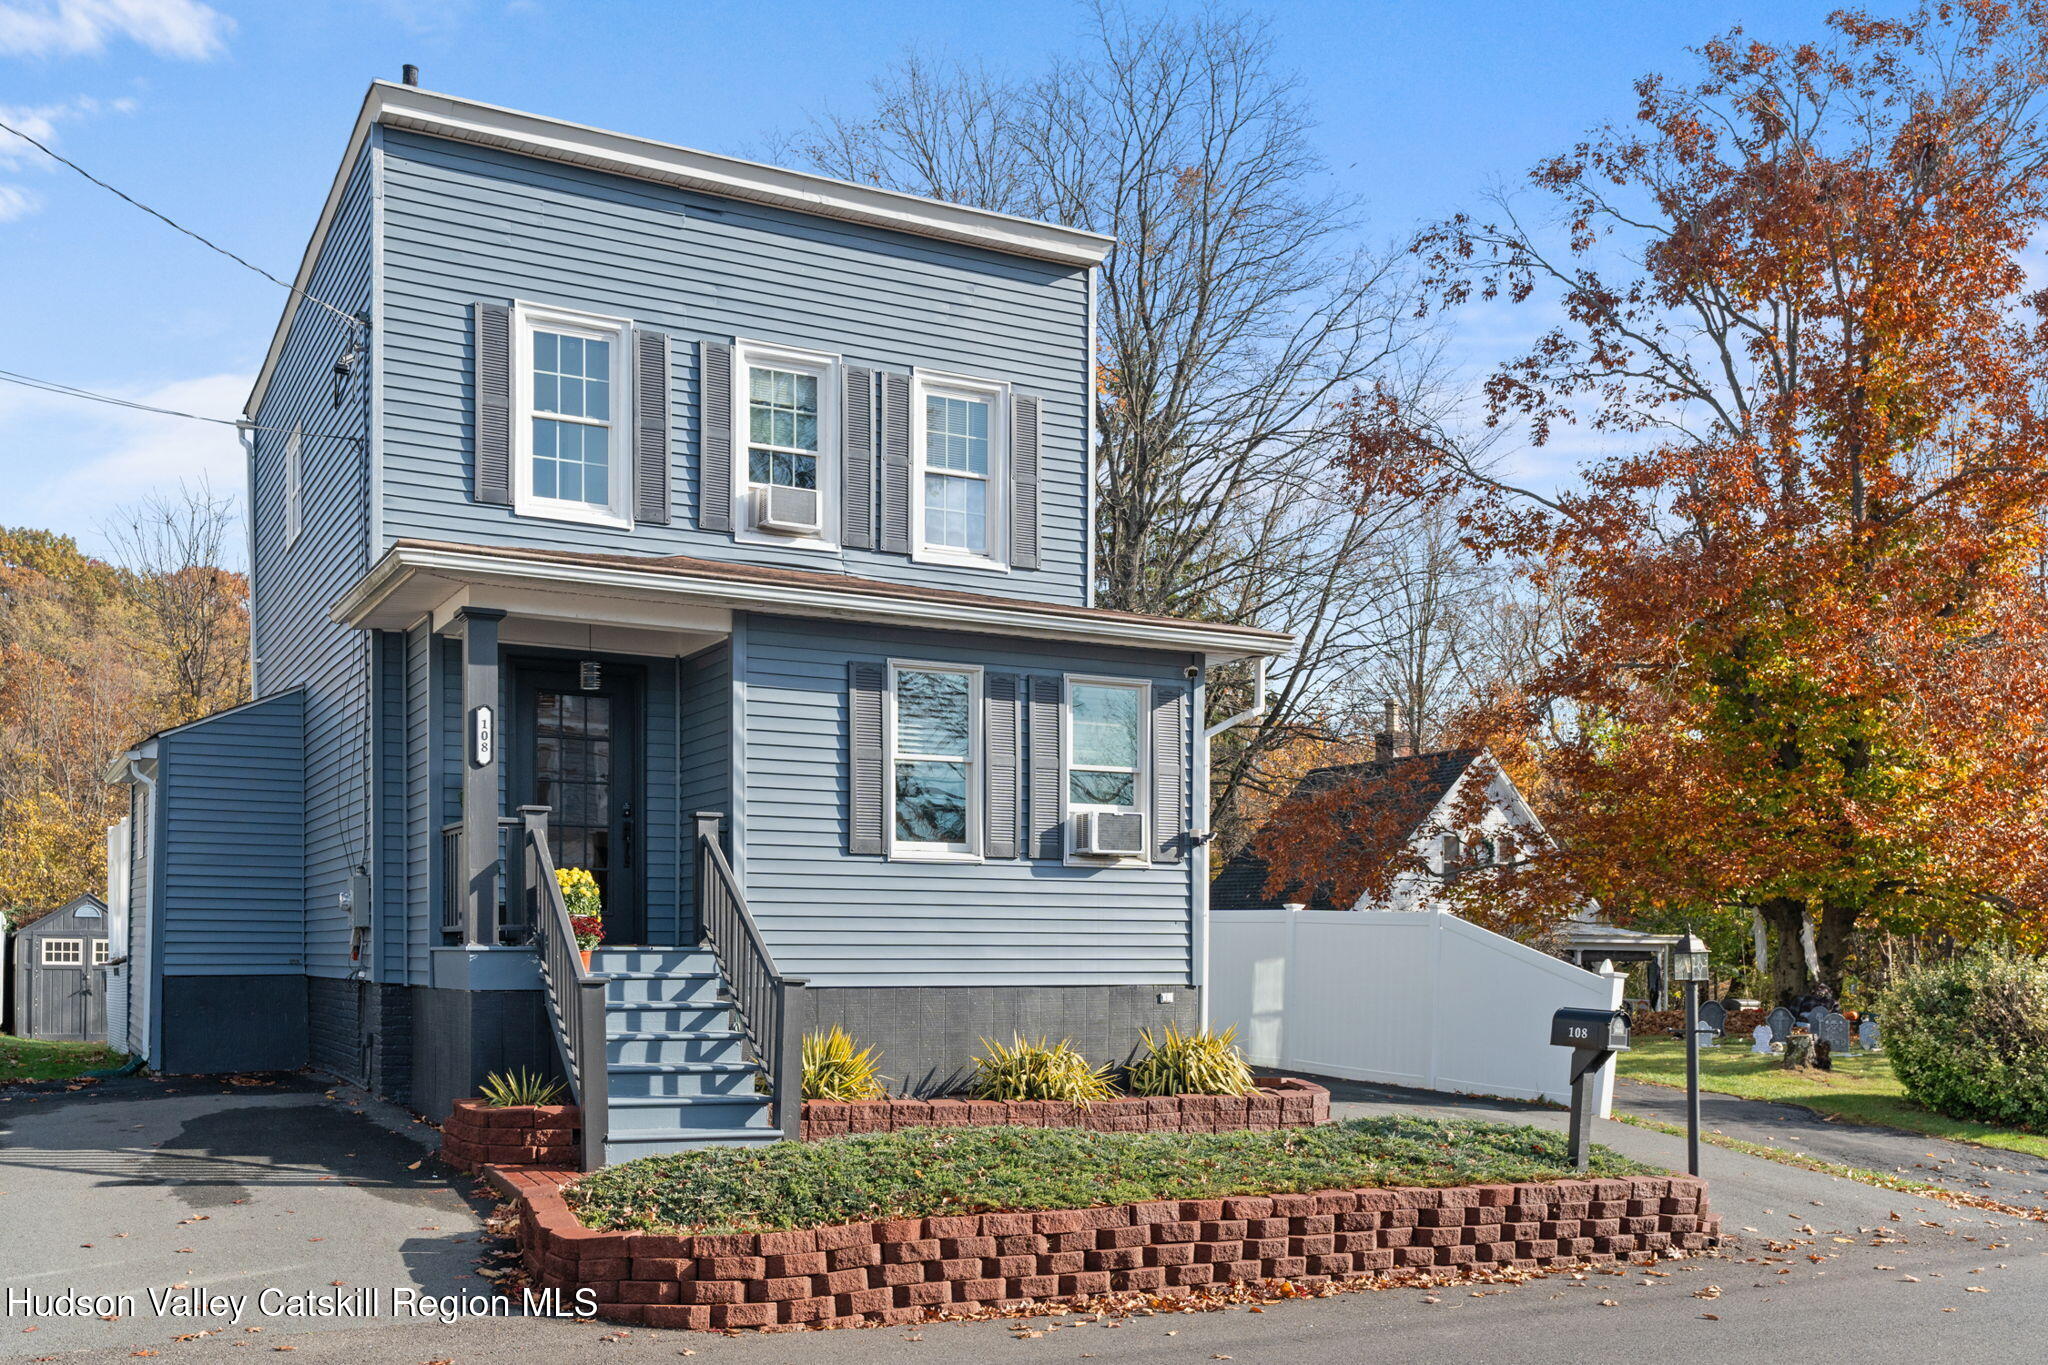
pixel 1689 960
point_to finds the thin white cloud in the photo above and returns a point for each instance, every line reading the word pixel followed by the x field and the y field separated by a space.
pixel 16 202
pixel 185 29
pixel 41 121
pixel 71 462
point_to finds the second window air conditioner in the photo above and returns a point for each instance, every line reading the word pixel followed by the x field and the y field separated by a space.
pixel 790 511
pixel 1109 834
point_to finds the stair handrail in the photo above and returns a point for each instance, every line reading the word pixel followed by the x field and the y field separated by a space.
pixel 575 994
pixel 767 1003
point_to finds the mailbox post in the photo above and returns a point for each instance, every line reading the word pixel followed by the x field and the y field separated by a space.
pixel 1593 1036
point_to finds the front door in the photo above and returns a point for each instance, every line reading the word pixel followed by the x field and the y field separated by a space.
pixel 579 755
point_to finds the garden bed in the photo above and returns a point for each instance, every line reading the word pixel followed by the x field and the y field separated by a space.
pixel 475 1135
pixel 956 1221
pixel 1281 1102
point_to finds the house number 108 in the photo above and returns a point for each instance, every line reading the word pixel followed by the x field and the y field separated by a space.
pixel 483 737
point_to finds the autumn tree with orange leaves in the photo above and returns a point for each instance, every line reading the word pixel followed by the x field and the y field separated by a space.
pixel 1809 661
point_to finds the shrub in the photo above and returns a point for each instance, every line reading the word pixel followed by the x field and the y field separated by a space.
pixel 922 1172
pixel 508 1089
pixel 1969 1038
pixel 1022 1070
pixel 1198 1063
pixel 834 1070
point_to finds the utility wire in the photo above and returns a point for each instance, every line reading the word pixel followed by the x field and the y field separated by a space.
pixel 350 319
pixel 71 391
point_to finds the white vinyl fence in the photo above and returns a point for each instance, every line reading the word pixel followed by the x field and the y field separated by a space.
pixel 1403 997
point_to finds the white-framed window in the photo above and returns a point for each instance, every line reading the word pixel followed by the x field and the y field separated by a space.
pixel 786 414
pixel 934 729
pixel 1105 760
pixel 102 952
pixel 570 453
pixel 63 952
pixel 960 459
pixel 294 485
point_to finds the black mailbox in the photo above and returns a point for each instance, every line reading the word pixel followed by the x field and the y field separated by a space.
pixel 1590 1030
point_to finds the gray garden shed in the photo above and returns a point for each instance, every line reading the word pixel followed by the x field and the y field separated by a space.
pixel 59 992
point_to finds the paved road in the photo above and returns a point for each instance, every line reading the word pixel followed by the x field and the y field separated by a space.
pixel 1824 1271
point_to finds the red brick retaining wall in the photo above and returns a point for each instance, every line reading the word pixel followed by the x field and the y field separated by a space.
pixel 1281 1103
pixel 474 1135
pixel 899 1270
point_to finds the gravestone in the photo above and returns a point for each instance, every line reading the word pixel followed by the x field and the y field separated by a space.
pixel 1866 1034
pixel 1780 1021
pixel 1833 1030
pixel 1761 1044
pixel 1714 1017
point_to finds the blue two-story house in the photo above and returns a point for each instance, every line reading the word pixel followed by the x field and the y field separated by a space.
pixel 723 530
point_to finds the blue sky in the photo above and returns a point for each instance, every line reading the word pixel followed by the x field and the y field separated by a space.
pixel 229 116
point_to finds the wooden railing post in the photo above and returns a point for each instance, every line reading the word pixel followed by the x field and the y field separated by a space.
pixel 791 1009
pixel 524 892
pixel 709 823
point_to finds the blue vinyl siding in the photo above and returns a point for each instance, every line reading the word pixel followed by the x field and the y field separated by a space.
pixel 295 644
pixel 706 772
pixel 231 880
pixel 465 223
pixel 864 921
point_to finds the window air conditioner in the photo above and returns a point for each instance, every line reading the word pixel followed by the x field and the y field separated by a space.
pixel 1109 834
pixel 791 511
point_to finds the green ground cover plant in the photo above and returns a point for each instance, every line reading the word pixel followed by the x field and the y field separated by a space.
pixel 1860 1089
pixel 35 1059
pixel 931 1172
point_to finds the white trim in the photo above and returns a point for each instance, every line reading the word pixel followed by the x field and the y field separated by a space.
pixel 824 366
pixel 971 849
pixel 421 111
pixel 617 514
pixel 50 960
pixel 393 594
pixel 1141 795
pixel 294 485
pixel 996 394
pixel 102 952
pixel 1087 458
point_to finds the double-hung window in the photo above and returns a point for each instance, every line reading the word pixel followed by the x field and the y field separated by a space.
pixel 569 429
pixel 961 456
pixel 63 952
pixel 1105 746
pixel 788 421
pixel 934 772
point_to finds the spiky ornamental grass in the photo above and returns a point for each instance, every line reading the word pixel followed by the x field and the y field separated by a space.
pixel 835 1069
pixel 925 1172
pixel 1198 1063
pixel 511 1089
pixel 1023 1070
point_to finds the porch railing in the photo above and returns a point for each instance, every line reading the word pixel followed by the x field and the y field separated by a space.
pixel 769 1005
pixel 576 995
pixel 510 919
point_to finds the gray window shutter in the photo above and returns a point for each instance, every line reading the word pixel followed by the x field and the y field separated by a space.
pixel 896 464
pixel 1005 735
pixel 857 460
pixel 493 462
pixel 1048 827
pixel 714 438
pixel 1024 481
pixel 650 427
pixel 866 785
pixel 1169 773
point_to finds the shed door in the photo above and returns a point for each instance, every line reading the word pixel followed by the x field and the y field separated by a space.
pixel 65 1007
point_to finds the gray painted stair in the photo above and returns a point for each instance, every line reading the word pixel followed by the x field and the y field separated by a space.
pixel 676 1069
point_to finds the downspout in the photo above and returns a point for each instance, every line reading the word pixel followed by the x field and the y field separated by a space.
pixel 1199 859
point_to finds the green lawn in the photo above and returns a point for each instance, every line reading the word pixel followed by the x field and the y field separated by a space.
pixel 922 1172
pixel 32 1059
pixel 1861 1089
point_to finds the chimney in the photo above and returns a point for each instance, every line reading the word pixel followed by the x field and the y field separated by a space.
pixel 410 74
pixel 1386 744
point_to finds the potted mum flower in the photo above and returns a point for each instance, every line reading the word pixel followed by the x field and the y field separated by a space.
pixel 586 908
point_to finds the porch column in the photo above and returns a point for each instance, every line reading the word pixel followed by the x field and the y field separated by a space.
pixel 482 736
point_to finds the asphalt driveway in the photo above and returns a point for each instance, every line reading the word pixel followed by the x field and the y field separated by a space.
pixel 1823 1269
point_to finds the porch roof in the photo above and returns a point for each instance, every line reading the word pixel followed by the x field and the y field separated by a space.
pixel 415 577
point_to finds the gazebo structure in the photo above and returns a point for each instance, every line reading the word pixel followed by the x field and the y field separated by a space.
pixel 1587 940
